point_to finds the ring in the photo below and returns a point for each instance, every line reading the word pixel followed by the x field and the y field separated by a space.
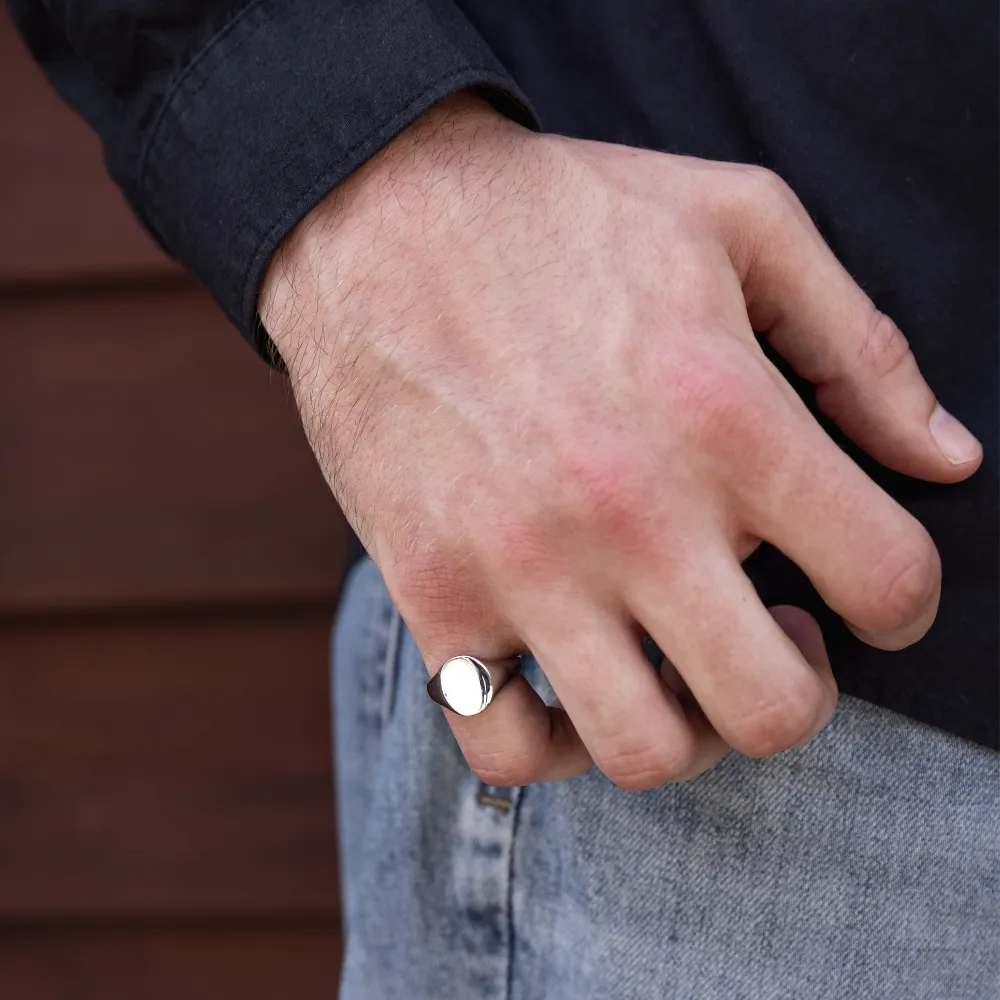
pixel 466 685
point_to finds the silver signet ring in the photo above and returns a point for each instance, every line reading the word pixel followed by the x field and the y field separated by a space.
pixel 466 685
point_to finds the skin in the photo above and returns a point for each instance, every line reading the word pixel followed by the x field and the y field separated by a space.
pixel 527 367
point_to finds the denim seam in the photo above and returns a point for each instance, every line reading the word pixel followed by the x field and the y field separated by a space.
pixel 390 666
pixel 515 805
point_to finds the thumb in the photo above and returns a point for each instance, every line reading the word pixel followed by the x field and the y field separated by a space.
pixel 815 315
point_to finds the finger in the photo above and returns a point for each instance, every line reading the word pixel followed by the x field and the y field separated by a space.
pixel 796 623
pixel 634 727
pixel 804 631
pixel 817 317
pixel 517 739
pixel 871 561
pixel 752 682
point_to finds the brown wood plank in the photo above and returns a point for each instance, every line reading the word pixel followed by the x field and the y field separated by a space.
pixel 166 768
pixel 293 963
pixel 150 458
pixel 62 216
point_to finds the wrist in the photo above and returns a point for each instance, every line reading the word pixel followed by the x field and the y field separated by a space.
pixel 398 205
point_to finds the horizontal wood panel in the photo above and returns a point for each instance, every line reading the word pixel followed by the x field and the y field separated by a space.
pixel 293 963
pixel 62 216
pixel 149 458
pixel 166 767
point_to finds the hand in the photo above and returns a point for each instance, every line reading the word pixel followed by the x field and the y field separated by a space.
pixel 527 367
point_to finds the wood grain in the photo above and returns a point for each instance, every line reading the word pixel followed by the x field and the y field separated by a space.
pixel 293 963
pixel 62 216
pixel 170 564
pixel 170 767
pixel 150 458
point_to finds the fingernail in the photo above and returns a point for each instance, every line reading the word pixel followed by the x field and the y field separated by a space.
pixel 957 444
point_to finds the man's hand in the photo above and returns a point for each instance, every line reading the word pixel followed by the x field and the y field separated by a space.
pixel 528 369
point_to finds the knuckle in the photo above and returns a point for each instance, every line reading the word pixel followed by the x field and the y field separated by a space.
pixel 902 584
pixel 603 487
pixel 421 581
pixel 775 725
pixel 513 545
pixel 760 210
pixel 719 406
pixel 440 597
pixel 504 768
pixel 884 348
pixel 766 191
pixel 638 766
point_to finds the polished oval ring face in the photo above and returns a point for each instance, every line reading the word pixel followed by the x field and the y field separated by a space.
pixel 465 685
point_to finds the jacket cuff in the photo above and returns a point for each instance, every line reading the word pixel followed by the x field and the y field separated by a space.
pixel 286 101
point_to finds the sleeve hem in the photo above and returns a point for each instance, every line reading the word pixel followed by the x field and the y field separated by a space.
pixel 282 105
pixel 304 202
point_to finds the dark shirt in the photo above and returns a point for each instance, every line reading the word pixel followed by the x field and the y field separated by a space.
pixel 226 122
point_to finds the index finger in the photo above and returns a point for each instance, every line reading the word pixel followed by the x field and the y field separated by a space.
pixel 870 560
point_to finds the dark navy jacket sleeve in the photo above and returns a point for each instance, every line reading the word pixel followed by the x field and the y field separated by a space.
pixel 225 122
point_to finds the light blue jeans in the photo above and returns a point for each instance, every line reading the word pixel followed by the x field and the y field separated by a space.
pixel 865 865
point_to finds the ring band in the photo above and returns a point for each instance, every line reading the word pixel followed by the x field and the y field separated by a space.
pixel 466 685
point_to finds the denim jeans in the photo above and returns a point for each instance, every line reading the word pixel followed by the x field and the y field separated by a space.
pixel 864 865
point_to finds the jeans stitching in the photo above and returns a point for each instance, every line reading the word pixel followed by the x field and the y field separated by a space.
pixel 390 665
pixel 515 802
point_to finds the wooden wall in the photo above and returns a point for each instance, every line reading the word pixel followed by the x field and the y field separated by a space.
pixel 169 562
